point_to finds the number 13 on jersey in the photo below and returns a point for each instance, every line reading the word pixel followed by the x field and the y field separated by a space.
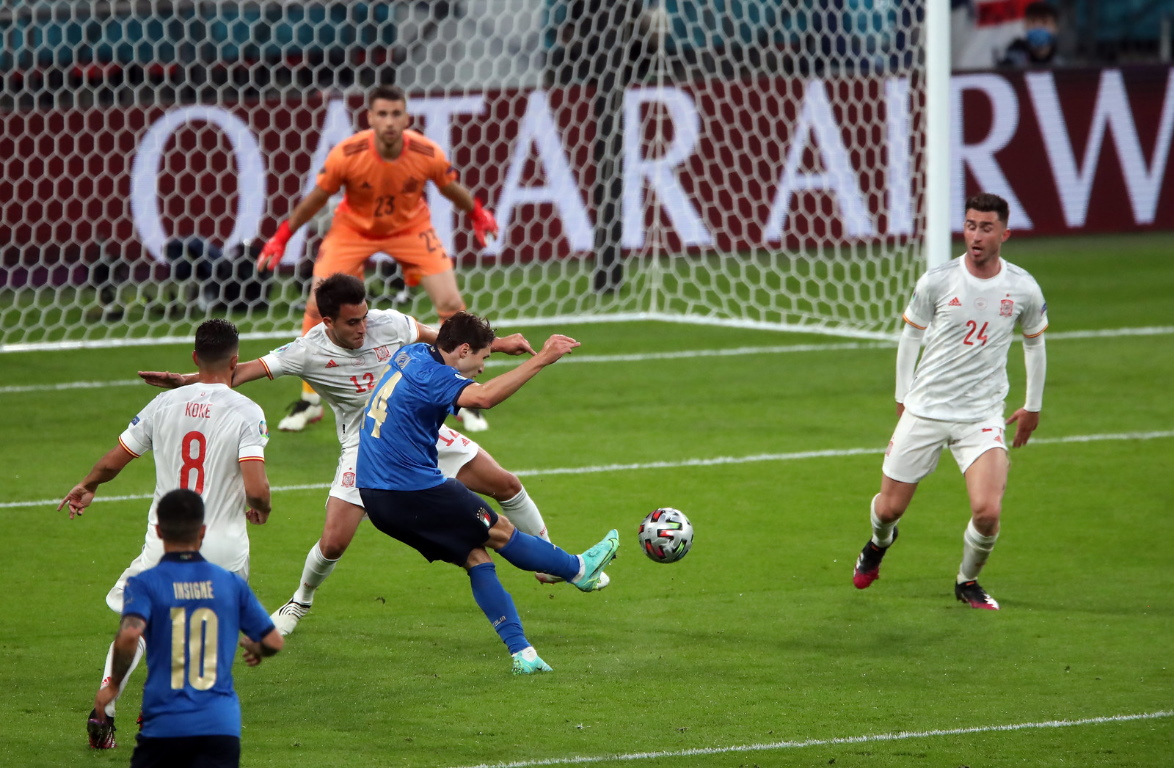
pixel 378 409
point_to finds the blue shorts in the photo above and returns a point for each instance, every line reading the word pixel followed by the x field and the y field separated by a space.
pixel 445 522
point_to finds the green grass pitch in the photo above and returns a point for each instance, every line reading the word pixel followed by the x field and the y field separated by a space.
pixel 754 650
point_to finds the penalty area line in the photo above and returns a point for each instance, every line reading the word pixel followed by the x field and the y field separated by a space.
pixel 840 741
pixel 830 453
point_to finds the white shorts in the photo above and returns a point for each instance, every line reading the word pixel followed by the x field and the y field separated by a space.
pixel 151 555
pixel 917 444
pixel 453 451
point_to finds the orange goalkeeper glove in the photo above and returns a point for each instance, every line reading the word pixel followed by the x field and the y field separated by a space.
pixel 483 223
pixel 274 248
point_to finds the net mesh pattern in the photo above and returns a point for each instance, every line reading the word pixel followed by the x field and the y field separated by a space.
pixel 738 162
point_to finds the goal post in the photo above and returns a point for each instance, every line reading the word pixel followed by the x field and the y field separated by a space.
pixel 745 163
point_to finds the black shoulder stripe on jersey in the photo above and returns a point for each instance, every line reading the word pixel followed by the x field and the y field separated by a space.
pixel 423 149
pixel 354 147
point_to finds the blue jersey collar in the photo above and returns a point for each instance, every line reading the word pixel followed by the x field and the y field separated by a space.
pixel 183 557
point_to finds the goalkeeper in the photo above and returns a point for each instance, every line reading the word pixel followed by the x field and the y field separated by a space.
pixel 384 170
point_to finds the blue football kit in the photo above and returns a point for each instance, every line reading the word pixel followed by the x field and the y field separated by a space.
pixel 408 498
pixel 397 445
pixel 195 612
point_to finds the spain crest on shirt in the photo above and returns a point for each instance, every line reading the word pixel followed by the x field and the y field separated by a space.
pixel 1006 307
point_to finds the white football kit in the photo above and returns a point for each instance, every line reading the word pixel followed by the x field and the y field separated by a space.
pixel 345 377
pixel 200 433
pixel 957 393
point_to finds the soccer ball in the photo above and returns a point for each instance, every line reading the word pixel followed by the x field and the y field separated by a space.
pixel 666 535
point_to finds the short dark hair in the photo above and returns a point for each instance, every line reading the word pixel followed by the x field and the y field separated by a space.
pixel 180 514
pixel 464 328
pixel 336 290
pixel 1041 10
pixel 386 92
pixel 986 203
pixel 216 340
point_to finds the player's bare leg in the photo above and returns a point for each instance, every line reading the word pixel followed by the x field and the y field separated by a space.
pixel 307 409
pixel 887 508
pixel 485 476
pixel 986 481
pixel 446 296
pixel 342 521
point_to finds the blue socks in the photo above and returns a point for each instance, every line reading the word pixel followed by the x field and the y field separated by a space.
pixel 531 553
pixel 498 606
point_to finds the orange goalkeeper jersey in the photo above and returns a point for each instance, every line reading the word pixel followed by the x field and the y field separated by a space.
pixel 384 197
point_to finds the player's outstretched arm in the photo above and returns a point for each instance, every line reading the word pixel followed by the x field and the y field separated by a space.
pixel 105 470
pixel 480 218
pixel 274 249
pixel 501 387
pixel 167 379
pixel 514 344
pixel 245 372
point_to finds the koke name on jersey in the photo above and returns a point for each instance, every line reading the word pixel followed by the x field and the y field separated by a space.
pixel 198 410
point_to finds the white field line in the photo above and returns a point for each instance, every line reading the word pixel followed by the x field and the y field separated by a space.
pixel 844 740
pixel 652 356
pixel 711 462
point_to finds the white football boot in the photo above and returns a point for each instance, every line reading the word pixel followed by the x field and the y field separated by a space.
pixel 472 421
pixel 301 413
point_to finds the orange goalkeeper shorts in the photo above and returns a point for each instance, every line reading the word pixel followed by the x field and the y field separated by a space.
pixel 417 249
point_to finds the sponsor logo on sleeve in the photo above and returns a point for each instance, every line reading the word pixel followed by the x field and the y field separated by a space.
pixel 1044 309
pixel 135 420
pixel 263 429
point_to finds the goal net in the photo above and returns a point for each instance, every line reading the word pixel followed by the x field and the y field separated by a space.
pixel 743 162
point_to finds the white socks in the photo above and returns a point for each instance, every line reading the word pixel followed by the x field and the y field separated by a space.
pixel 139 651
pixel 882 533
pixel 525 516
pixel 316 570
pixel 976 548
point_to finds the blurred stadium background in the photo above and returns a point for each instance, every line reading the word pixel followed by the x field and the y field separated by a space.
pixel 741 162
